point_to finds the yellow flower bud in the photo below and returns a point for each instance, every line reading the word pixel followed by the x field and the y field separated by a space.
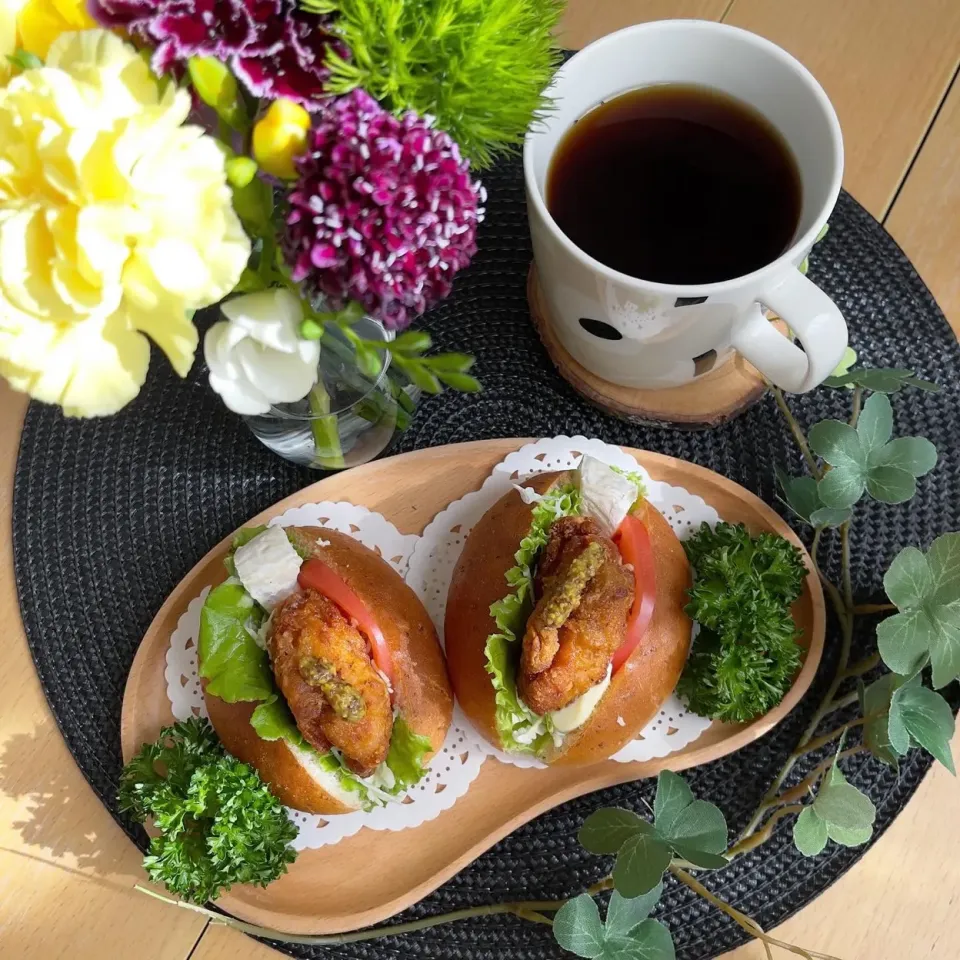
pixel 279 136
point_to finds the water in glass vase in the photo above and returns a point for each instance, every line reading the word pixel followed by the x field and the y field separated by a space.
pixel 347 419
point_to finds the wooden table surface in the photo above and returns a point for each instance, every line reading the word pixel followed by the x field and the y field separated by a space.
pixel 890 67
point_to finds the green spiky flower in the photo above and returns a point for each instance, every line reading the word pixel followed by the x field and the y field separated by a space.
pixel 478 66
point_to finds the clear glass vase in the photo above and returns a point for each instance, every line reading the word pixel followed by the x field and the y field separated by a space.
pixel 348 418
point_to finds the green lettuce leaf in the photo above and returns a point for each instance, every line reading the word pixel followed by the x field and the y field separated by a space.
pixel 405 759
pixel 637 480
pixel 519 728
pixel 235 668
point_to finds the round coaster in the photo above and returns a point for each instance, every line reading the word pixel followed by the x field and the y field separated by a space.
pixel 718 396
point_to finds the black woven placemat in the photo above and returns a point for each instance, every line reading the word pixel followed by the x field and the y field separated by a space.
pixel 109 515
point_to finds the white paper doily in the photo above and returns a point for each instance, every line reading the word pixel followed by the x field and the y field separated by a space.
pixel 436 553
pixel 451 771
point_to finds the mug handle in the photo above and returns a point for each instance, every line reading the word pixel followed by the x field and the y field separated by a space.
pixel 815 320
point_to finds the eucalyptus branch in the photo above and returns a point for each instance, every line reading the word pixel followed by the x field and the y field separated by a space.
pixel 819 742
pixel 743 921
pixel 762 836
pixel 868 609
pixel 861 667
pixel 848 700
pixel 797 432
pixel 525 909
pixel 857 400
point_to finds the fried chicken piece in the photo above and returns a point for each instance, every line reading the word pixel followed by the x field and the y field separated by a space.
pixel 334 691
pixel 584 597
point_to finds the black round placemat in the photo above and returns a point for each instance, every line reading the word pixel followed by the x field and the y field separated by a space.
pixel 109 515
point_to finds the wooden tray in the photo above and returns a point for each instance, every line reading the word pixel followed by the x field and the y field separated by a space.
pixel 373 875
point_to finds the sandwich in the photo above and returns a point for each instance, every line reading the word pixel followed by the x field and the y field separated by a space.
pixel 322 670
pixel 564 627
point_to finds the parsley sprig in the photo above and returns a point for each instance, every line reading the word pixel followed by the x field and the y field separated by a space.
pixel 219 824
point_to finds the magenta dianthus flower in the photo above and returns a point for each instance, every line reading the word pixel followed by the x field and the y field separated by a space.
pixel 384 212
pixel 274 47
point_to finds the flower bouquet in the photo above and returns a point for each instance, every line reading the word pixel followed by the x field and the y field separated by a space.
pixel 311 168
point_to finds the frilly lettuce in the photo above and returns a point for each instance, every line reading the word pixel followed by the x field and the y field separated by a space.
pixel 519 728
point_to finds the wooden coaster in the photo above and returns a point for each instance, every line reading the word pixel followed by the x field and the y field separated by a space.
pixel 715 398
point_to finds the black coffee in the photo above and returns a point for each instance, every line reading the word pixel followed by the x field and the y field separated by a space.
pixel 676 183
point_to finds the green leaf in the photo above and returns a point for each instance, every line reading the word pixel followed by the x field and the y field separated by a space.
pixel 830 516
pixel 412 341
pixel 25 60
pixel 230 660
pixel 875 703
pixel 875 426
pixel 695 829
pixel 624 914
pixel 368 361
pixel 944 559
pixel 838 443
pixel 809 833
pixel 420 375
pixel 273 720
pixel 240 171
pixel 217 87
pixel 920 715
pixel 452 362
pixel 916 455
pixel 641 862
pixel 254 205
pixel 250 282
pixel 406 756
pixel 890 484
pixel 649 940
pixel 849 836
pixel 673 797
pixel 841 487
pixel 607 830
pixel 460 381
pixel 882 380
pixel 801 494
pixel 925 591
pixel 908 579
pixel 904 638
pixel 577 927
pixel 700 827
pixel 842 805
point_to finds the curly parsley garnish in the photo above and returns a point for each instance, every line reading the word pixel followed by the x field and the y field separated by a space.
pixel 746 655
pixel 219 824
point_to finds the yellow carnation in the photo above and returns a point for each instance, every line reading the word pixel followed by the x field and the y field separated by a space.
pixel 115 221
pixel 33 25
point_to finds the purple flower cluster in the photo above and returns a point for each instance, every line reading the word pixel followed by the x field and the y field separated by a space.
pixel 274 47
pixel 384 212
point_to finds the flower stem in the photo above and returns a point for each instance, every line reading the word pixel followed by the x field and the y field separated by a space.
pixel 762 836
pixel 797 432
pixel 863 666
pixel 328 452
pixel 841 702
pixel 743 921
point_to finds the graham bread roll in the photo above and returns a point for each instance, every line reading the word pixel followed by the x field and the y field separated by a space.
pixel 421 687
pixel 636 690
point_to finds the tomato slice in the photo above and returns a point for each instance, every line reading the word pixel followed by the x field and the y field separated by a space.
pixel 633 542
pixel 316 575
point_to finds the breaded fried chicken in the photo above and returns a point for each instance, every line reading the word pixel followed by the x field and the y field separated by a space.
pixel 334 691
pixel 584 595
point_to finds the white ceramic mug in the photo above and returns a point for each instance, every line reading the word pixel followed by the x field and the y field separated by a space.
pixel 656 334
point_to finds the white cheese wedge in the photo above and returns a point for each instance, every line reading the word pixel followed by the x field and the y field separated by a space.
pixel 607 496
pixel 268 567
pixel 576 714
